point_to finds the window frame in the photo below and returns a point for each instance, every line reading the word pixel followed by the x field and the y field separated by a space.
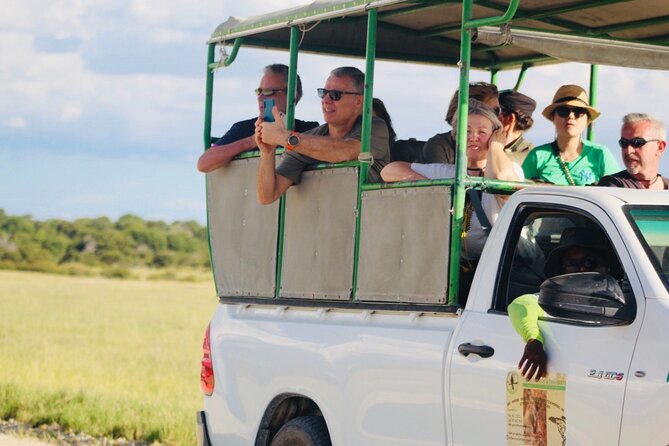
pixel 519 220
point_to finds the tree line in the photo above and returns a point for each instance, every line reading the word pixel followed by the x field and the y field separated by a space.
pixel 100 244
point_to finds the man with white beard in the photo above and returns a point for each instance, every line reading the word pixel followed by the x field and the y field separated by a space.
pixel 642 141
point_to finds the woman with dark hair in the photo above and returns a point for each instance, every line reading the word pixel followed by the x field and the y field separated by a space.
pixel 379 110
pixel 570 160
pixel 516 116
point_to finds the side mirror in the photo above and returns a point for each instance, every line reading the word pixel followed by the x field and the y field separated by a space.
pixel 590 297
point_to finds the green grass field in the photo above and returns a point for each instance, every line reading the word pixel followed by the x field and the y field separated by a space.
pixel 115 358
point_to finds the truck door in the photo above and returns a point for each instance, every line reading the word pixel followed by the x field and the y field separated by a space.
pixel 580 402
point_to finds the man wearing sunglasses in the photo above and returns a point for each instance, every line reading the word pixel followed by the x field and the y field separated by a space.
pixel 336 141
pixel 642 141
pixel 241 136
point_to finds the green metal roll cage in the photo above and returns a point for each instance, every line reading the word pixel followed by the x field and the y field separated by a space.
pixel 461 181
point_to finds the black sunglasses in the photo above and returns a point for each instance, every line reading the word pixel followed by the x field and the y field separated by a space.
pixel 564 112
pixel 266 92
pixel 636 142
pixel 587 262
pixel 335 95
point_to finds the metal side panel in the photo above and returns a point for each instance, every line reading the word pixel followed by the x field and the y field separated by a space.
pixel 404 245
pixel 242 233
pixel 319 235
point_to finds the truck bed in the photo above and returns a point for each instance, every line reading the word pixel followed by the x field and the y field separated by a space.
pixel 389 366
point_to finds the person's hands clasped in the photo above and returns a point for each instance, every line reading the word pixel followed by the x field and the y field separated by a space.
pixel 269 135
pixel 534 360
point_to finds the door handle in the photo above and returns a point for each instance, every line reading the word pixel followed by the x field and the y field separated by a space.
pixel 484 351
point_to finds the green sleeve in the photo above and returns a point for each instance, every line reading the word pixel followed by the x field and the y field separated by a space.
pixel 610 164
pixel 530 165
pixel 524 313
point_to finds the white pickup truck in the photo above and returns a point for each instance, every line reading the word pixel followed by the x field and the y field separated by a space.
pixel 338 320
pixel 405 369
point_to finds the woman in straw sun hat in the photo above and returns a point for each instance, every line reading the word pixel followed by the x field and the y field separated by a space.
pixel 569 160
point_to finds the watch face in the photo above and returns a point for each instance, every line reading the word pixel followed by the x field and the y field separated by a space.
pixel 293 140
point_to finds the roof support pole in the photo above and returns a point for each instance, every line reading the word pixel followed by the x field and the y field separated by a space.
pixel 460 157
pixel 369 87
pixel 494 78
pixel 521 76
pixel 208 100
pixel 209 96
pixel 290 124
pixel 292 77
pixel 594 75
pixel 461 144
pixel 372 17
pixel 233 55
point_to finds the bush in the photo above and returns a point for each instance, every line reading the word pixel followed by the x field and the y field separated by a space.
pixel 76 269
pixel 93 243
pixel 40 265
pixel 117 273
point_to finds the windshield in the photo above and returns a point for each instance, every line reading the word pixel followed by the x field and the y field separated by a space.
pixel 653 226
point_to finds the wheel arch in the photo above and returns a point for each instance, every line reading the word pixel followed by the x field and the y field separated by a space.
pixel 280 410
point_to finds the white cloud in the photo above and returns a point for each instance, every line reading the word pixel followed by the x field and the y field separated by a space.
pixel 165 36
pixel 71 112
pixel 175 13
pixel 16 122
pixel 250 8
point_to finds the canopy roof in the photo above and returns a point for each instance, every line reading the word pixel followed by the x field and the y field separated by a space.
pixel 429 31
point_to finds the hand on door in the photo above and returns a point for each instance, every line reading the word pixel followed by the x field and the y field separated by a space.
pixel 534 360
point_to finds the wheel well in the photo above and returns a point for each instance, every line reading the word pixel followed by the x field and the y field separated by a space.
pixel 282 409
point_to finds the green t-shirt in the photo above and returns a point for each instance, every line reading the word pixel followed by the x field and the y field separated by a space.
pixel 594 162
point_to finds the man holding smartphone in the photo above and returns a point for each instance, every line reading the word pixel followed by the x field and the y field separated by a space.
pixel 240 138
pixel 336 141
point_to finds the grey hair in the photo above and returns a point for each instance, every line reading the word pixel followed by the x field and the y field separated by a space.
pixel 477 107
pixel 658 126
pixel 357 76
pixel 281 69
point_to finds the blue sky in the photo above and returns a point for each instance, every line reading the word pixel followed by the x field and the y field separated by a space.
pixel 102 102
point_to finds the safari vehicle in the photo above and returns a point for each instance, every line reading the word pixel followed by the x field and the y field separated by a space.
pixel 337 325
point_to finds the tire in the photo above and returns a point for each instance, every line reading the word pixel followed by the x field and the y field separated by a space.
pixel 303 431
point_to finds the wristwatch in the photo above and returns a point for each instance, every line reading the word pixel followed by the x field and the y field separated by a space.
pixel 293 140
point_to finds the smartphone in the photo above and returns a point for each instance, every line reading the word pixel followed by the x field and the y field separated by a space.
pixel 268 105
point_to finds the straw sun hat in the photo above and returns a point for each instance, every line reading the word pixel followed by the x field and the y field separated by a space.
pixel 571 96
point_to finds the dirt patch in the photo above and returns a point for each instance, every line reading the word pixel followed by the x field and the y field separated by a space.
pixel 13 433
pixel 6 440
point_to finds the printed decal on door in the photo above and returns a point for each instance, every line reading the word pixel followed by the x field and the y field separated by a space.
pixel 535 412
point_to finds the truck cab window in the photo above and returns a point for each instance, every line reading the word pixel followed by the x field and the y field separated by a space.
pixel 555 243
